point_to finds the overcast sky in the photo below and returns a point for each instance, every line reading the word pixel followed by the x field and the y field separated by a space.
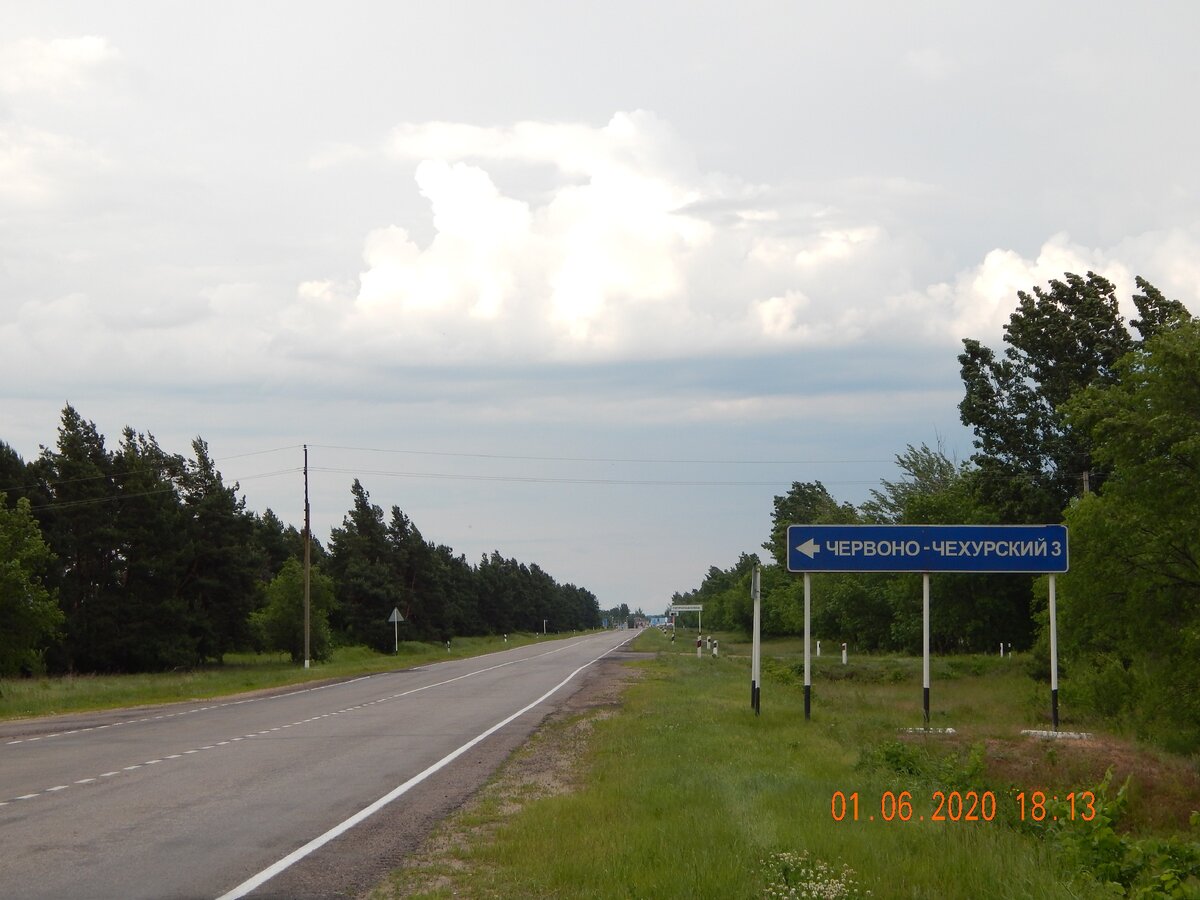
pixel 589 283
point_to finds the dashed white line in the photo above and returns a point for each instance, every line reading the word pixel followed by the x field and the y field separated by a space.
pixel 151 762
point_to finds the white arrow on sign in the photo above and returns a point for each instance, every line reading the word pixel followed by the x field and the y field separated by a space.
pixel 809 548
pixel 395 616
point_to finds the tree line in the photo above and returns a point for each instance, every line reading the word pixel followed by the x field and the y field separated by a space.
pixel 1079 420
pixel 137 559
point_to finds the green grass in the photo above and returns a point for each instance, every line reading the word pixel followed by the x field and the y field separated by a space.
pixel 240 672
pixel 687 793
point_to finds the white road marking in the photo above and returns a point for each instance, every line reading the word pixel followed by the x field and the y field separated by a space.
pixel 280 727
pixel 187 712
pixel 296 855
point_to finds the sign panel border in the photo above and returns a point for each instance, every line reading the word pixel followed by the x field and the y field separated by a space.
pixel 893 549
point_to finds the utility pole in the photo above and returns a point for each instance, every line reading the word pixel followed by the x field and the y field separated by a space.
pixel 307 559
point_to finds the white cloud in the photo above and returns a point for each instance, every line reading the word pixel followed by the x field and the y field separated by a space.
pixel 633 253
pixel 627 252
pixel 33 66
pixel 980 300
pixel 35 165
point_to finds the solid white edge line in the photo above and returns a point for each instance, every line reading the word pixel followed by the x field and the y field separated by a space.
pixel 316 843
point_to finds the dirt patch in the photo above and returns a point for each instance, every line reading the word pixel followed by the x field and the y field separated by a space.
pixel 549 764
pixel 1163 791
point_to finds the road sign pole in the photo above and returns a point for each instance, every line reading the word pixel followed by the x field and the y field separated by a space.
pixel 755 640
pixel 1053 656
pixel 807 647
pixel 925 642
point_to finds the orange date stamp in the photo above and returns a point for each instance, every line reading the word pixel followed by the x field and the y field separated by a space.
pixel 960 806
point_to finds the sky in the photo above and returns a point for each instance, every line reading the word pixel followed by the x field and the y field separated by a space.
pixel 585 283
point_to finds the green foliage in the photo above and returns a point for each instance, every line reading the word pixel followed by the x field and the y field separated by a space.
pixel 157 562
pixel 378 567
pixel 13 474
pixel 877 611
pixel 280 624
pixel 805 503
pixel 1130 605
pixel 1117 862
pixel 223 560
pixel 29 617
pixel 1060 340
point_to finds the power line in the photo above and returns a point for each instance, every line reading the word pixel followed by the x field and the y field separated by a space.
pixel 542 479
pixel 608 459
pixel 117 476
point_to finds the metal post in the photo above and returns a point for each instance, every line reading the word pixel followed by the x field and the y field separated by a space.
pixel 756 641
pixel 807 653
pixel 1053 655
pixel 925 643
pixel 307 565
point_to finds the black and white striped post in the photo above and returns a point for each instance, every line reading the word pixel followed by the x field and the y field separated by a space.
pixel 1053 655
pixel 925 644
pixel 756 644
pixel 807 654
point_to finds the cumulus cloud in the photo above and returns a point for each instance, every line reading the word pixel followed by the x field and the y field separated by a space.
pixel 622 257
pixel 979 301
pixel 634 253
pixel 571 243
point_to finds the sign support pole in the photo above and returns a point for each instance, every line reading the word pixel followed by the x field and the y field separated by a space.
pixel 925 642
pixel 1053 656
pixel 756 641
pixel 307 567
pixel 807 646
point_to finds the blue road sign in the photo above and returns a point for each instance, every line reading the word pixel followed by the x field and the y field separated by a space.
pixel 927 548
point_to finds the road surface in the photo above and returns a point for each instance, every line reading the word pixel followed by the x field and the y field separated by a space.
pixel 265 795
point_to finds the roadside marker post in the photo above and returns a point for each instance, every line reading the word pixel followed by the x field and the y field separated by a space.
pixel 978 549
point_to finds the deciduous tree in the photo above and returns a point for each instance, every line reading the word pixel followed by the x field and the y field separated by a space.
pixel 29 616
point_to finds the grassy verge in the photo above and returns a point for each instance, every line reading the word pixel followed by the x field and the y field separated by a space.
pixel 686 793
pixel 240 672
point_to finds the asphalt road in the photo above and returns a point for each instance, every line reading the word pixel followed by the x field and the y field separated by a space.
pixel 303 793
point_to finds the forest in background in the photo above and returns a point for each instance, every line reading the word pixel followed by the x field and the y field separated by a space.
pixel 1077 421
pixel 137 559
